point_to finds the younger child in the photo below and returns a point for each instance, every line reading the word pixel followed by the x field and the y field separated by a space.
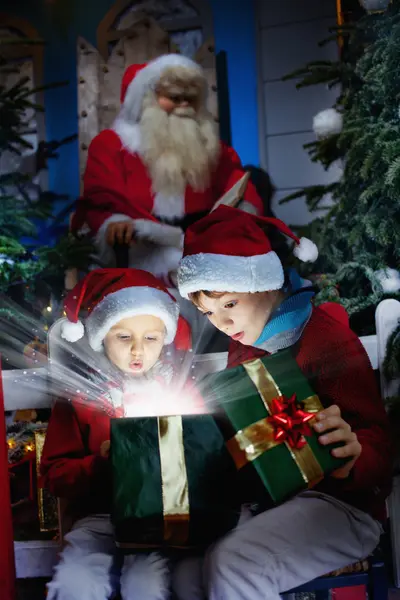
pixel 130 318
pixel 231 273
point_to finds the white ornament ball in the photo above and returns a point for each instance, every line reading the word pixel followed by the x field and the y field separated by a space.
pixel 389 280
pixel 327 122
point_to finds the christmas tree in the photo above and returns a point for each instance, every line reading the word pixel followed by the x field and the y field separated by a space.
pixel 30 273
pixel 358 233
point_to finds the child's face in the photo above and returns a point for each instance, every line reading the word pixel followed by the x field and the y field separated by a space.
pixel 242 316
pixel 134 344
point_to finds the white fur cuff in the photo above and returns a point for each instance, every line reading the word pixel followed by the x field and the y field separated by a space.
pixel 105 255
pixel 159 233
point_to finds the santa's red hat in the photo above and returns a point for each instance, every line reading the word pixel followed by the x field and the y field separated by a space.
pixel 229 251
pixel 142 78
pixel 109 295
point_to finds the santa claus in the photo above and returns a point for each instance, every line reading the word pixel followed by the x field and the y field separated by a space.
pixel 159 169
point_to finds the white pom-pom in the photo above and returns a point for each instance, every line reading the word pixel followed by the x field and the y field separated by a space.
pixel 72 332
pixel 327 122
pixel 306 250
pixel 389 280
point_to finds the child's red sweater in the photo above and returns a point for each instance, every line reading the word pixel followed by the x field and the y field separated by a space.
pixel 334 360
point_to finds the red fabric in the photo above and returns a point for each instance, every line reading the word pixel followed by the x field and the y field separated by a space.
pixel 358 592
pixel 129 75
pixel 183 336
pixel 99 283
pixel 334 360
pixel 71 465
pixel 337 312
pixel 227 232
pixel 117 182
pixel 7 565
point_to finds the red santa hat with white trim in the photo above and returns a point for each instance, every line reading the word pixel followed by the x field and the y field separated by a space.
pixel 109 295
pixel 139 79
pixel 229 251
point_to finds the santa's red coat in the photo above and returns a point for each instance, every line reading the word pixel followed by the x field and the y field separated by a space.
pixel 332 357
pixel 116 182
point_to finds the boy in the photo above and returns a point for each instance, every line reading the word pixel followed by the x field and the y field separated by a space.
pixel 131 316
pixel 232 275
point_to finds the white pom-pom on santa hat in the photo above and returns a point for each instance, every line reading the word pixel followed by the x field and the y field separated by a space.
pixel 327 122
pixel 72 332
pixel 306 250
pixel 389 280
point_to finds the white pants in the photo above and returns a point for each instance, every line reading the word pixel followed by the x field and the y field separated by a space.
pixel 85 569
pixel 280 549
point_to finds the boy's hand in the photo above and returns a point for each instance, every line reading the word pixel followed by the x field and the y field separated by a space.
pixel 105 449
pixel 331 420
pixel 120 231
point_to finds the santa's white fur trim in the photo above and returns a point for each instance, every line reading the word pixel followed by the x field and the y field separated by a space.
pixel 306 251
pixel 159 233
pixel 158 260
pixel 105 255
pixel 78 574
pixel 72 332
pixel 147 79
pixel 128 133
pixel 130 302
pixel 223 273
pixel 169 207
pixel 389 280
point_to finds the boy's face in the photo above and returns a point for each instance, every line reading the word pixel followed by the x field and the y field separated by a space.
pixel 242 316
pixel 134 344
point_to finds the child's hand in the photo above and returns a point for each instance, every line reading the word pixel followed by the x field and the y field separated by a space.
pixel 121 232
pixel 105 449
pixel 339 431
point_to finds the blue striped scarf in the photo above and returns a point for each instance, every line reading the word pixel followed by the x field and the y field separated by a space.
pixel 288 321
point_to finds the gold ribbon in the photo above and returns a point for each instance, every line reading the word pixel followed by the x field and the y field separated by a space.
pixel 252 441
pixel 175 487
pixel 47 503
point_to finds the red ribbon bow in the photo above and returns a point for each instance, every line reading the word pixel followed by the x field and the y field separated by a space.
pixel 289 421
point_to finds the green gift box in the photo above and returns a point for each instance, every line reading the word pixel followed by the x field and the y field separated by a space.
pixel 173 482
pixel 270 406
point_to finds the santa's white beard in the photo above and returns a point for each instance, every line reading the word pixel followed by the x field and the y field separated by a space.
pixel 179 149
